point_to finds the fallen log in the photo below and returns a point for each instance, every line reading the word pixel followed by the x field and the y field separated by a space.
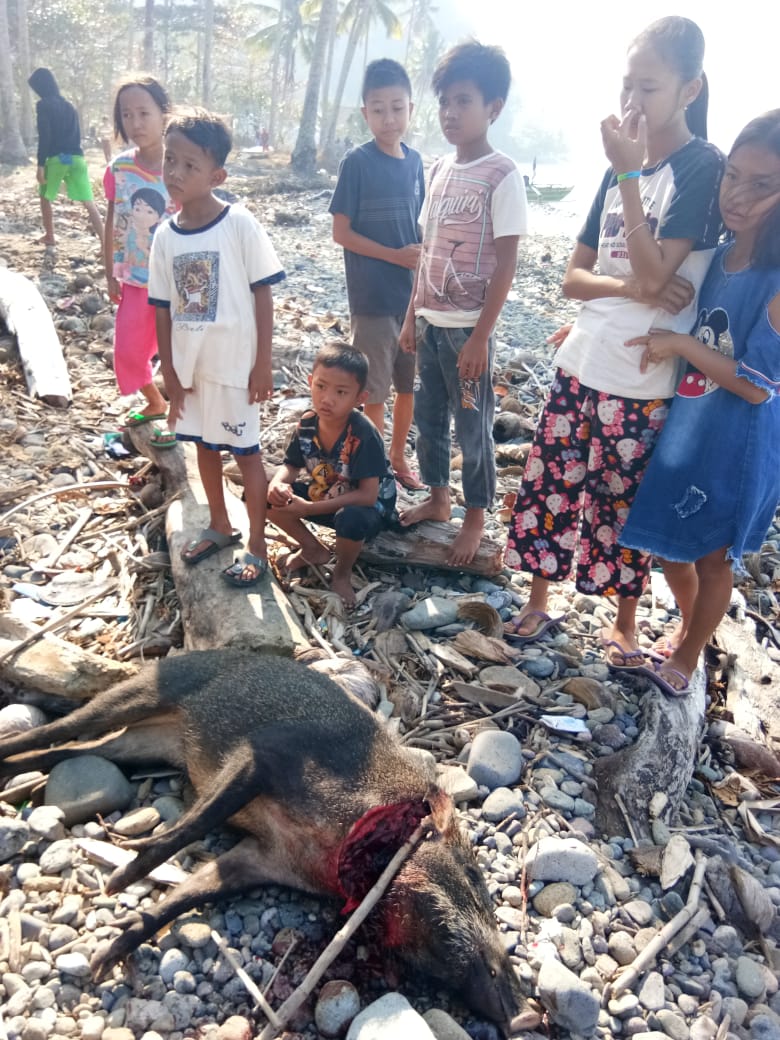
pixel 52 665
pixel 427 544
pixel 26 315
pixel 753 680
pixel 214 614
pixel 661 760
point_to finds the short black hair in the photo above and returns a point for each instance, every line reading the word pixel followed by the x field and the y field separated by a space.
pixel 338 354
pixel 153 88
pixel 486 67
pixel 384 72
pixel 204 129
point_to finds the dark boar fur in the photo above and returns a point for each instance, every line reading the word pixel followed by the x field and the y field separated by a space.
pixel 288 756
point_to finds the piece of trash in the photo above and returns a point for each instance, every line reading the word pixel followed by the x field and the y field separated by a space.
pixel 112 444
pixel 564 724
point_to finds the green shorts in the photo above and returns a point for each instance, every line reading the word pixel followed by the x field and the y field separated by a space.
pixel 69 168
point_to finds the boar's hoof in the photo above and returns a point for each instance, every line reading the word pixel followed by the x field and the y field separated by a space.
pixel 113 951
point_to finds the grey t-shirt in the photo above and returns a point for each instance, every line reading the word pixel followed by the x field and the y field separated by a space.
pixel 382 196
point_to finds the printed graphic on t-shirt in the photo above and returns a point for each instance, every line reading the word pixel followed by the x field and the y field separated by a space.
pixel 454 271
pixel 196 276
pixel 712 329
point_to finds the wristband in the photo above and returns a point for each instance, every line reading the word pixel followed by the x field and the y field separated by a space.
pixel 628 176
pixel 636 228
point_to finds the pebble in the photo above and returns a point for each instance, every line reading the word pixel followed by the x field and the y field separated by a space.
pixel 432 612
pixel 495 759
pixel 561 859
pixel 554 895
pixel 87 786
pixel 572 1004
pixel 389 1018
pixel 337 1005
pixel 749 978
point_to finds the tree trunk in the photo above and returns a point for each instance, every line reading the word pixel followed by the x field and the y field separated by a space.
pixel 12 149
pixel 329 142
pixel 149 36
pixel 753 682
pixel 427 544
pixel 662 760
pixel 208 48
pixel 275 62
pixel 26 315
pixel 23 53
pixel 304 156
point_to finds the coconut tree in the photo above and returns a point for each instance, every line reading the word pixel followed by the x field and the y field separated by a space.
pixel 304 156
pixel 360 16
pixel 24 70
pixel 12 149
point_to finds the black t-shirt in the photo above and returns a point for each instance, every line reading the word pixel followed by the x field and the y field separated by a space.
pixel 59 132
pixel 357 454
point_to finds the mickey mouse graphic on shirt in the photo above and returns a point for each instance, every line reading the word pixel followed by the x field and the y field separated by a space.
pixel 712 329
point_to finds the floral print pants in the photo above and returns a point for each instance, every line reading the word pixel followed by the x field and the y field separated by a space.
pixel 587 458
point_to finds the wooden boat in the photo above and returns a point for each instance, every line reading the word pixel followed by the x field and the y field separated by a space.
pixel 547 192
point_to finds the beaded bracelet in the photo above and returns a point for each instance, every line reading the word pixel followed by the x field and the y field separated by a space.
pixel 628 176
pixel 635 228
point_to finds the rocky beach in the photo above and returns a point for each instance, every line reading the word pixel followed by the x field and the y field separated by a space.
pixel 664 926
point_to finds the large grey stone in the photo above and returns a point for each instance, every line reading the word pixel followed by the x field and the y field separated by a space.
pixel 390 1017
pixel 87 785
pixel 572 1004
pixel 495 759
pixel 561 859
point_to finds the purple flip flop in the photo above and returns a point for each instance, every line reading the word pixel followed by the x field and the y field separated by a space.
pixel 544 624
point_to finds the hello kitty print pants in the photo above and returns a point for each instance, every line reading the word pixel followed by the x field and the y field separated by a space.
pixel 585 464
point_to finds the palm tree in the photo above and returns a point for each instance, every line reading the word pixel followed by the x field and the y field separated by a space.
pixel 208 47
pixel 359 15
pixel 304 156
pixel 282 38
pixel 23 60
pixel 12 149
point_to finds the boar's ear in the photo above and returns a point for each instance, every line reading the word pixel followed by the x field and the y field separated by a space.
pixel 441 807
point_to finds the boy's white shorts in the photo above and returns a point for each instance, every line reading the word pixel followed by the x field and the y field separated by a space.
pixel 221 417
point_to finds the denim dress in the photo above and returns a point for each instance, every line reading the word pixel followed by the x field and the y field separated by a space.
pixel 713 480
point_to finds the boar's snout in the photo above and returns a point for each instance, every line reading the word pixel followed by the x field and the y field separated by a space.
pixel 440 917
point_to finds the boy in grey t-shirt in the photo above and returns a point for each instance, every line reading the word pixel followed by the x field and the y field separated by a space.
pixel 375 207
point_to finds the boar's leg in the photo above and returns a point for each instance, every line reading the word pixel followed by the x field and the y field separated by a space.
pixel 247 865
pixel 129 702
pixel 229 790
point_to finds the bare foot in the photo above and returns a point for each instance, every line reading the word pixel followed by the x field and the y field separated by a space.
pixel 343 586
pixel 467 540
pixel 427 510
pixel 298 562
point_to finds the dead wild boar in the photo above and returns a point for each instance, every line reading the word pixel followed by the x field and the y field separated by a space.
pixel 284 753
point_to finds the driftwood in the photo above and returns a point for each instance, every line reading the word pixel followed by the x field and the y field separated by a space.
pixel 753 682
pixel 427 544
pixel 662 760
pixel 214 614
pixel 53 665
pixel 24 311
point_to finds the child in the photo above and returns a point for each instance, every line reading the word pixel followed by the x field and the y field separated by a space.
pixel 60 157
pixel 376 207
pixel 350 484
pixel 137 201
pixel 473 217
pixel 210 277
pixel 652 230
pixel 713 483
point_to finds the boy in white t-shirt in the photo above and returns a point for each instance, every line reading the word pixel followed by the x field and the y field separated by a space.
pixel 210 275
pixel 473 217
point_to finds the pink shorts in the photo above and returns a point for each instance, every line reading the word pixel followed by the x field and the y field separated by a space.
pixel 135 339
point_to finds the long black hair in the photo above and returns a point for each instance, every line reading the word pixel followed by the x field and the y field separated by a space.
pixel 680 43
pixel 764 132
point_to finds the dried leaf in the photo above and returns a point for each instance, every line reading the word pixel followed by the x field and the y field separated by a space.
pixel 677 860
pixel 733 789
pixel 485 617
pixel 450 657
pixel 474 644
pixel 755 901
pixel 754 829
pixel 475 694
pixel 647 859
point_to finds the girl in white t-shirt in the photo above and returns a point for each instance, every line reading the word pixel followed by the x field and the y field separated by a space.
pixel 638 263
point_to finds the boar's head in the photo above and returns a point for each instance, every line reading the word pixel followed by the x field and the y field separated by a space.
pixel 439 916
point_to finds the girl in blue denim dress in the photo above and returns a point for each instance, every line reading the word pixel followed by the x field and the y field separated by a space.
pixel 712 485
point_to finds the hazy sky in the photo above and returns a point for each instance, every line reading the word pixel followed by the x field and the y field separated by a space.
pixel 567 57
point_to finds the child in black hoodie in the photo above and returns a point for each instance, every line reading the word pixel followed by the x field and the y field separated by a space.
pixel 60 157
